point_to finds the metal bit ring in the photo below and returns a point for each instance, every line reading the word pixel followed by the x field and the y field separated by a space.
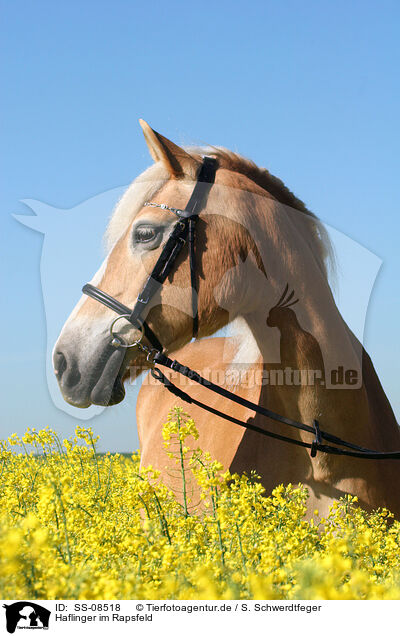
pixel 116 340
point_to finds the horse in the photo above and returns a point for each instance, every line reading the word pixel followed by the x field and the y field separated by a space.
pixel 254 240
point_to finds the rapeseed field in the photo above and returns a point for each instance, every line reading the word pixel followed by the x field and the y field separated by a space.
pixel 76 524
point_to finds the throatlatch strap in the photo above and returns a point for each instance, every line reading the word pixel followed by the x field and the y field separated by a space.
pixel 194 207
pixel 193 282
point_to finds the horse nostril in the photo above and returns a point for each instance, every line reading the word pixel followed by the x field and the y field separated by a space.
pixel 66 369
pixel 60 364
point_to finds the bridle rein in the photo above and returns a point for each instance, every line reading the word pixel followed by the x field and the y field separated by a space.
pixel 184 231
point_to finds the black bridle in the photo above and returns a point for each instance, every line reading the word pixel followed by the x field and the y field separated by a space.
pixel 184 230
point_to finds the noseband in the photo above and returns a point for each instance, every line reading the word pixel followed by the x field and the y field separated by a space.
pixel 184 230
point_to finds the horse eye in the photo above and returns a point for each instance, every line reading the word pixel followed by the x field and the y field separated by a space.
pixel 145 234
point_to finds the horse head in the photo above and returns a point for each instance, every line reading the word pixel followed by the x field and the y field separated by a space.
pixel 239 218
pixel 88 369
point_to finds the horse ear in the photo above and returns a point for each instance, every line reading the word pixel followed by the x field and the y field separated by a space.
pixel 177 161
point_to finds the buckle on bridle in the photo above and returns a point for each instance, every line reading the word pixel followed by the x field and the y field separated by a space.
pixel 151 354
pixel 317 441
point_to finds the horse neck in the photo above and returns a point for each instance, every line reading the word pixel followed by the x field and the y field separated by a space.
pixel 362 414
pixel 291 256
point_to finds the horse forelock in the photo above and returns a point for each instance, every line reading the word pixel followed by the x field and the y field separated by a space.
pixel 142 189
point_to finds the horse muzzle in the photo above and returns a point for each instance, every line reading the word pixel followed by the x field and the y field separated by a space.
pixel 90 378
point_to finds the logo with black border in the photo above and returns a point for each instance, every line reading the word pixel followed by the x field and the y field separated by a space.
pixel 26 615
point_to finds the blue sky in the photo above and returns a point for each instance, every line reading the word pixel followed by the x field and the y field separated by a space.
pixel 309 90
